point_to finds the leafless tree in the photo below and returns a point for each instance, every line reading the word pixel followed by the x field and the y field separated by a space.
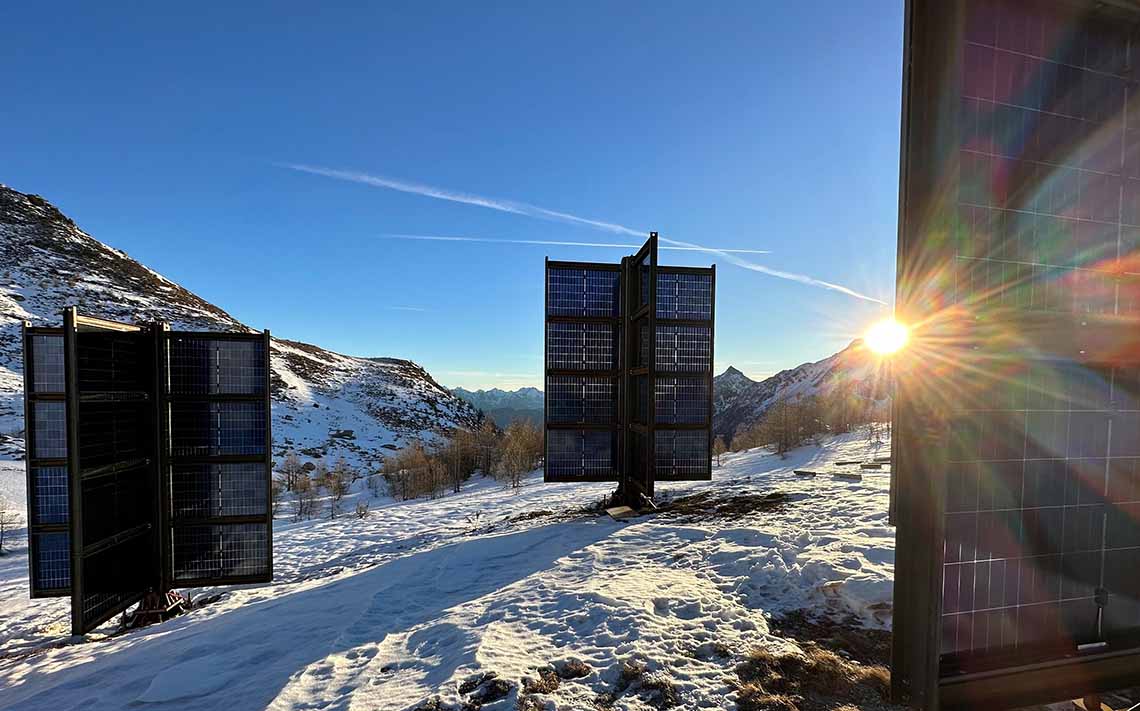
pixel 291 471
pixel 521 450
pixel 8 520
pixel 718 448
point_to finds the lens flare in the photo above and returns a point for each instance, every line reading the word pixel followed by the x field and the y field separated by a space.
pixel 886 337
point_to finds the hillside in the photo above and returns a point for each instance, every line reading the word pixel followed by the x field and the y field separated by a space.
pixel 739 400
pixel 324 404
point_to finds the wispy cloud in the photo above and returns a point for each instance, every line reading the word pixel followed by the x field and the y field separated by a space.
pixel 528 210
pixel 406 308
pixel 562 243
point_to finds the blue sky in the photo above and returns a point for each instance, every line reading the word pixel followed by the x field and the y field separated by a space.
pixel 168 131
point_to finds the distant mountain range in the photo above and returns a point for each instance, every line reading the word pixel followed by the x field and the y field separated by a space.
pixel 506 405
pixel 740 401
pixel 737 399
pixel 324 404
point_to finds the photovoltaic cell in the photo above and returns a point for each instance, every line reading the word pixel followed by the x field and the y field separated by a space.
pixel 47 364
pixel 682 401
pixel 212 490
pixel 580 454
pixel 201 429
pixel 682 454
pixel 220 551
pixel 52 568
pixel 214 366
pixel 51 495
pixel 582 292
pixel 684 296
pixel 581 399
pixel 684 349
pixel 581 346
pixel 50 422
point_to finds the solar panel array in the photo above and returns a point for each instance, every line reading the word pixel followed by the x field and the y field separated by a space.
pixel 1020 256
pixel 628 351
pixel 583 330
pixel 197 404
pixel 49 554
pixel 1037 526
pixel 216 394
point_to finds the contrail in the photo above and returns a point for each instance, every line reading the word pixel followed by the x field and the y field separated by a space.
pixel 561 243
pixel 791 276
pixel 525 209
pixel 517 208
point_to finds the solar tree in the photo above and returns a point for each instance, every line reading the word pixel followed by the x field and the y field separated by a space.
pixel 148 463
pixel 1017 409
pixel 628 367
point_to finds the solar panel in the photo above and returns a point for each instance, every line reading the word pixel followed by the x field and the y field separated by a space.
pixel 1018 257
pixel 111 463
pixel 47 483
pixel 628 351
pixel 218 465
pixel 148 462
pixel 583 332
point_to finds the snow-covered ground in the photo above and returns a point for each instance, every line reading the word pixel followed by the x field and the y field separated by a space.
pixel 420 597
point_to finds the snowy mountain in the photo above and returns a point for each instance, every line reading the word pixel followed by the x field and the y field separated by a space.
pixel 739 400
pixel 506 405
pixel 325 403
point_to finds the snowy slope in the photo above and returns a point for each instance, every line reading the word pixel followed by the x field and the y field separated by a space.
pixel 408 605
pixel 739 401
pixel 325 403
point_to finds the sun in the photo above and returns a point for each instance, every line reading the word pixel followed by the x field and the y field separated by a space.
pixel 886 337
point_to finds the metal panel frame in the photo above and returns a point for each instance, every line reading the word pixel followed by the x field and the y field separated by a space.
pixel 635 484
pixel 931 55
pixel 31 462
pixel 73 325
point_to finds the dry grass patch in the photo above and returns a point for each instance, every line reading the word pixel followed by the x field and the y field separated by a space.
pixel 817 679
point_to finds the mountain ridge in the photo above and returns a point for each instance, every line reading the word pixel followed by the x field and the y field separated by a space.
pixel 325 404
pixel 740 401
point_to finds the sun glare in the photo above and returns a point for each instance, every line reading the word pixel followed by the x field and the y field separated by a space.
pixel 886 337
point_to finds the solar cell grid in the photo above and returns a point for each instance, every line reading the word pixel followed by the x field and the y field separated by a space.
pixel 682 400
pixel 581 399
pixel 212 490
pixel 220 551
pixel 217 428
pixel 681 454
pixel 52 569
pixel 578 454
pixel 206 366
pixel 50 423
pixel 1046 197
pixel 112 432
pixel 582 292
pixel 47 364
pixel 581 346
pixel 51 495
pixel 684 349
pixel 684 296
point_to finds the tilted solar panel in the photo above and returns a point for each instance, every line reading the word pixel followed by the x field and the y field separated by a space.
pixel 1018 259
pixel 49 546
